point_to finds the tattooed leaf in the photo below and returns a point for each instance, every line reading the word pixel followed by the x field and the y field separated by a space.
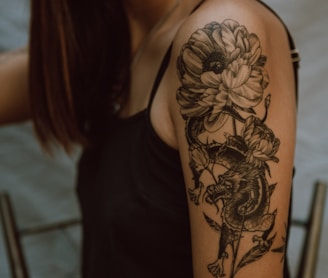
pixel 267 168
pixel 215 226
pixel 255 253
pixel 272 187
pixel 280 249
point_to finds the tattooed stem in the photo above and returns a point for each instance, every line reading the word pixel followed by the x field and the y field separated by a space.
pixel 211 171
pixel 234 126
pixel 233 271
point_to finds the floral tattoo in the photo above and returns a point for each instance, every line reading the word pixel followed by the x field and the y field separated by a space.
pixel 222 74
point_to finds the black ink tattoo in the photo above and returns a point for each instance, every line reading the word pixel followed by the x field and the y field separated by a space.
pixel 283 248
pixel 221 69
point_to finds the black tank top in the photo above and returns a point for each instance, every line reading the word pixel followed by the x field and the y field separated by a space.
pixel 133 202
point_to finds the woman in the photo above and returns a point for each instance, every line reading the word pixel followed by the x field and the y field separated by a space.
pixel 186 112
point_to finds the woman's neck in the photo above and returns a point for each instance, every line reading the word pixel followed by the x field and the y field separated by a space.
pixel 146 15
pixel 149 44
pixel 143 16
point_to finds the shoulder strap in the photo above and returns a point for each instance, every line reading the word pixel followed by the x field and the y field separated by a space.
pixel 163 67
pixel 159 76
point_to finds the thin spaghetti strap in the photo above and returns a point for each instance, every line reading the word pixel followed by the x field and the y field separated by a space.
pixel 198 5
pixel 162 69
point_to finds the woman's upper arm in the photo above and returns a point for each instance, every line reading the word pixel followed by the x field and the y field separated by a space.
pixel 14 103
pixel 234 115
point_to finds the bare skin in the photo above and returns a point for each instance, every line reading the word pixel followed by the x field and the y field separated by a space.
pixel 146 16
pixel 14 104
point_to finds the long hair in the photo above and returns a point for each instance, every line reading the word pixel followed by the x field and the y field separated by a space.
pixel 79 64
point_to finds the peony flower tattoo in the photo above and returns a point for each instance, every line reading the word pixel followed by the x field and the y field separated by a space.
pixel 220 68
pixel 223 80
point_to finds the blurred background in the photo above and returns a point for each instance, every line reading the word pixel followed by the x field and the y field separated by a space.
pixel 42 189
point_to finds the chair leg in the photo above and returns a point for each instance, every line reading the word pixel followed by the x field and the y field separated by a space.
pixel 311 244
pixel 12 240
pixel 50 227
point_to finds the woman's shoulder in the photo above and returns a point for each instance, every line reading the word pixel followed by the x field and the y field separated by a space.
pixel 222 42
pixel 252 14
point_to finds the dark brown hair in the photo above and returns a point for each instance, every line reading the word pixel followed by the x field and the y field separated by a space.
pixel 79 56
